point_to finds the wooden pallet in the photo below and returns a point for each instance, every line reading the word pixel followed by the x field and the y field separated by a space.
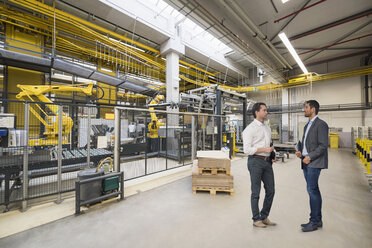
pixel 214 171
pixel 212 191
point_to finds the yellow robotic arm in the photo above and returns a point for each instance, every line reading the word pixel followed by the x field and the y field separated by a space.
pixel 155 124
pixel 51 122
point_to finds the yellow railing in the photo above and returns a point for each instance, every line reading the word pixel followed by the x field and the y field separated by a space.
pixel 364 147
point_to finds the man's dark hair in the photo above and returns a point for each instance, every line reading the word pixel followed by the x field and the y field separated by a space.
pixel 313 104
pixel 257 107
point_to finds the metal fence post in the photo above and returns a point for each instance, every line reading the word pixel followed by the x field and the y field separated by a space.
pixel 59 152
pixel 146 140
pixel 122 185
pixel 25 155
pixel 88 137
pixel 213 133
pixel 166 141
pixel 77 197
pixel 193 138
pixel 203 133
pixel 117 128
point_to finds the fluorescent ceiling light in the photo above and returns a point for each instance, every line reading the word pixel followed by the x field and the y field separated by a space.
pixel 290 48
pixel 284 1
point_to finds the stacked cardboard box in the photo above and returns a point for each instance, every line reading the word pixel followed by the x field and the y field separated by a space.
pixel 212 172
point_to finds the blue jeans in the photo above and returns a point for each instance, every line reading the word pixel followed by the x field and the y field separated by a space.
pixel 312 177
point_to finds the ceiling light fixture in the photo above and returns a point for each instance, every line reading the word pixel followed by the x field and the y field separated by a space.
pixel 284 1
pixel 290 48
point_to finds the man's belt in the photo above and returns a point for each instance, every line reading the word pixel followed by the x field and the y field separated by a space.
pixel 267 159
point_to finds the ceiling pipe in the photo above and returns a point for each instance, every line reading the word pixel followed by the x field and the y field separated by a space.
pixel 329 25
pixel 334 48
pixel 338 57
pixel 233 38
pixel 298 11
pixel 335 44
pixel 272 3
pixel 288 22
pixel 254 30
pixel 257 31
pixel 342 38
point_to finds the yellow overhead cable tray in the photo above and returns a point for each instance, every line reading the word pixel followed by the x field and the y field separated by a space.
pixel 43 24
pixel 294 82
pixel 63 16
pixel 82 24
pixel 81 27
pixel 76 21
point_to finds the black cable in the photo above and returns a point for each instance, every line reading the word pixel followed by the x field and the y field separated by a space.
pixel 103 92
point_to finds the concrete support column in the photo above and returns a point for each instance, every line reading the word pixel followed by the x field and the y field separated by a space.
pixel 172 49
pixel 285 117
pixel 172 85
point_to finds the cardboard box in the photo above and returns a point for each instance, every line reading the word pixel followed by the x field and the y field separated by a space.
pixel 214 163
pixel 212 181
pixel 217 154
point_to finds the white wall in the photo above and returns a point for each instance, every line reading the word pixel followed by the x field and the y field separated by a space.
pixel 339 91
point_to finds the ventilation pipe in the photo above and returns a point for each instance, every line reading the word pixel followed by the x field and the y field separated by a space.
pixel 237 11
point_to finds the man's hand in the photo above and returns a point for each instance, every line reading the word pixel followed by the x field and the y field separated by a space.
pixel 306 160
pixel 270 149
pixel 274 160
pixel 298 154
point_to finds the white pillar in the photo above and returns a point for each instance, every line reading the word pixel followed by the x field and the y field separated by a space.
pixel 172 85
pixel 285 117
pixel 172 49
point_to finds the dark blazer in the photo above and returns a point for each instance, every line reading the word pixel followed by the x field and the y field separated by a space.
pixel 317 144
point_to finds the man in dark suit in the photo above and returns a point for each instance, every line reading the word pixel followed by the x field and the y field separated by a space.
pixel 313 151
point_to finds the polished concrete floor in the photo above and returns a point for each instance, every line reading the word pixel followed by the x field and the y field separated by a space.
pixel 171 216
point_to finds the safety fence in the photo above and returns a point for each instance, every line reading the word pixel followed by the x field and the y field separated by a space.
pixel 44 146
pixel 160 140
pixel 362 148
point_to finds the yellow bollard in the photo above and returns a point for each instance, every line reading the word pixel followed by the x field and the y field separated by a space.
pixel 367 155
pixel 369 159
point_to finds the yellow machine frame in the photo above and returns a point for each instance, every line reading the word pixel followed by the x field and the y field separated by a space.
pixel 51 122
pixel 155 124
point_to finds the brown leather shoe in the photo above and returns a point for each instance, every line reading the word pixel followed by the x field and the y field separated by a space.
pixel 259 224
pixel 268 222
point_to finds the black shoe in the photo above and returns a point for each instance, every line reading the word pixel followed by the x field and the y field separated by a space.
pixel 320 224
pixel 310 227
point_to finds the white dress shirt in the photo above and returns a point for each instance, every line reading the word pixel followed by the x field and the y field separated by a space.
pixel 304 150
pixel 256 135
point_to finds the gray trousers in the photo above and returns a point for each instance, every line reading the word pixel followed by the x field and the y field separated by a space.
pixel 261 170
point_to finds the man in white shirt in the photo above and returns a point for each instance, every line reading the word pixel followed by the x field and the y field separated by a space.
pixel 257 144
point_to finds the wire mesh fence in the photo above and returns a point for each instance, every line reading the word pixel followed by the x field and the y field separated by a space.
pixel 44 146
pixel 154 141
